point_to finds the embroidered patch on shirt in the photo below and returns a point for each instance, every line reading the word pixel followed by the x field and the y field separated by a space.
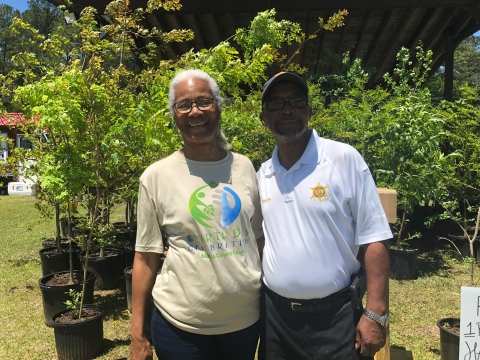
pixel 266 200
pixel 319 192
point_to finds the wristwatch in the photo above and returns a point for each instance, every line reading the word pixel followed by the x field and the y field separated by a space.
pixel 382 320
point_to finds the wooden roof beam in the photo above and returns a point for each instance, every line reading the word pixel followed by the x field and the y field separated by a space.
pixel 254 6
pixel 308 32
pixel 394 46
pixel 474 11
pixel 356 51
pixel 321 37
pixel 208 24
pixel 437 39
pixel 417 35
pixel 438 31
pixel 227 25
pixel 197 43
pixel 381 29
pixel 220 6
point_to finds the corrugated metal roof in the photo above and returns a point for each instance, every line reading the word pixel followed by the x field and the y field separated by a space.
pixel 374 30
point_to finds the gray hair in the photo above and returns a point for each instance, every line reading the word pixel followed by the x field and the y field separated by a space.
pixel 183 75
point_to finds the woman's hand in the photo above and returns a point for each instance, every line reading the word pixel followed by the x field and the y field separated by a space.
pixel 140 349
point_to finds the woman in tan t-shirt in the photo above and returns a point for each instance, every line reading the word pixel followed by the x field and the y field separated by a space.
pixel 204 200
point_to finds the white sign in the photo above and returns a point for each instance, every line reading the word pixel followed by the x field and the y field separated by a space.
pixel 470 324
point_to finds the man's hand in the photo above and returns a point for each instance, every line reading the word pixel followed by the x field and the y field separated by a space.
pixel 140 349
pixel 370 337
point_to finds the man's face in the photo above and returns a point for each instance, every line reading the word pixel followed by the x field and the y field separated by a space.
pixel 289 122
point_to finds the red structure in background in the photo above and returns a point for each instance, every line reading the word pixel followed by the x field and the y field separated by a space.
pixel 11 125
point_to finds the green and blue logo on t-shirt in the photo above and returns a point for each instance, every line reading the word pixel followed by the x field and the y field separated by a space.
pixel 225 199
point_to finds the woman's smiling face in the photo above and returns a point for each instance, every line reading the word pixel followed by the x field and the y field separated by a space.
pixel 197 126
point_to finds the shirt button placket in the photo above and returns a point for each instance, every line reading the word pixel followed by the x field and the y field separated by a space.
pixel 287 188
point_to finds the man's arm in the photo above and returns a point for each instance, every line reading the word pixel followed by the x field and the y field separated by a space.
pixel 145 269
pixel 371 336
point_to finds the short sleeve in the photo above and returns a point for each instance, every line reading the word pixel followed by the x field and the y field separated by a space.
pixel 367 211
pixel 149 219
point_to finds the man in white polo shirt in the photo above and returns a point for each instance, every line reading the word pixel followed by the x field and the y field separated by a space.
pixel 319 204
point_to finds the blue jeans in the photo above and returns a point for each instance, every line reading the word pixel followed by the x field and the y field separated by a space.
pixel 171 343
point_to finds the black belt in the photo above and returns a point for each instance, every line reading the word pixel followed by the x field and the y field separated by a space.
pixel 331 302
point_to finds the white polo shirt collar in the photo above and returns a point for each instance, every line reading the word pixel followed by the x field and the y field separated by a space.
pixel 312 154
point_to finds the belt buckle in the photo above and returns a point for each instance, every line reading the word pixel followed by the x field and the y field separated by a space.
pixel 292 304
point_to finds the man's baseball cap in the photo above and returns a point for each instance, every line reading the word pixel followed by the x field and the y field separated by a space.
pixel 284 77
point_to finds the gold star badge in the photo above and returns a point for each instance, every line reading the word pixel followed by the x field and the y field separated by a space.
pixel 319 192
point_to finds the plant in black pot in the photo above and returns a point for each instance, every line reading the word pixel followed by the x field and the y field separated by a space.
pixel 61 253
pixel 79 329
pixel 106 260
pixel 403 258
pixel 55 286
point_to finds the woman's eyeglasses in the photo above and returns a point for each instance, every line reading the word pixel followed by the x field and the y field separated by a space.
pixel 185 106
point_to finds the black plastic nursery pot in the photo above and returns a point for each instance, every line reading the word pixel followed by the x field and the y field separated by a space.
pixel 129 251
pixel 127 272
pixel 54 262
pixel 81 340
pixel 109 269
pixel 403 263
pixel 54 297
pixel 52 243
pixel 449 341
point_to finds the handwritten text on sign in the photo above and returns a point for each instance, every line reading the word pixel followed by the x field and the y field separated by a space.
pixel 470 324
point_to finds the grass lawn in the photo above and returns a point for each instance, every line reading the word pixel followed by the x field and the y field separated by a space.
pixel 24 334
pixel 415 305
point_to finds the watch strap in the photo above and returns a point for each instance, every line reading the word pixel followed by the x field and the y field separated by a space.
pixel 382 320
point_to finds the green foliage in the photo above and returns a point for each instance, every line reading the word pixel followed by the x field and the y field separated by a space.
pixel 467 61
pixel 410 156
pixel 402 238
pixel 242 126
pixel 265 30
pixel 335 21
pixel 358 117
pixel 107 115
pixel 75 304
pixel 346 75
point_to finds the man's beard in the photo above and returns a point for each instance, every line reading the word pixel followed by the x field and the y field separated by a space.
pixel 291 131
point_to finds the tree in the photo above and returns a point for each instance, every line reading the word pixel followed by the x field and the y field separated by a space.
pixel 465 70
pixel 43 16
pixel 7 13
pixel 467 61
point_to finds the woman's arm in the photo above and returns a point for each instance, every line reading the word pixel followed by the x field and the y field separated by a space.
pixel 145 269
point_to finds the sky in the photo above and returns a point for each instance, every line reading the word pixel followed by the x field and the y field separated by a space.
pixel 22 5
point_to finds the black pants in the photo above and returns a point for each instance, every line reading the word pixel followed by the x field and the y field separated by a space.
pixel 289 335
